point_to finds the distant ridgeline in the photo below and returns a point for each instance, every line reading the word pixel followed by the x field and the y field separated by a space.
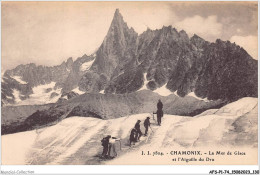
pixel 127 62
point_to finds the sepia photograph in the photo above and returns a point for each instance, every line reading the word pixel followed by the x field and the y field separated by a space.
pixel 129 83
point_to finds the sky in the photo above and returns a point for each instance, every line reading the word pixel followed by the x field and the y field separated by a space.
pixel 48 33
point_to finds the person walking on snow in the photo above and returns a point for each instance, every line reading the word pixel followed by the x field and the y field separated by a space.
pixel 146 125
pixel 159 105
pixel 138 130
pixel 159 116
pixel 159 112
pixel 112 147
pixel 105 144
pixel 109 150
pixel 133 137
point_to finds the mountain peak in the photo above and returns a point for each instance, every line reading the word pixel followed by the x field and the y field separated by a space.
pixel 118 18
pixel 195 39
pixel 115 48
pixel 117 12
pixel 184 35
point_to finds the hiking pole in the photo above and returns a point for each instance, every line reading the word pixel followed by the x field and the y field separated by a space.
pixel 151 128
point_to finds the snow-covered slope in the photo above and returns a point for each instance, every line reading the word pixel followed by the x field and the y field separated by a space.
pixel 145 83
pixel 76 140
pixel 192 94
pixel 78 91
pixel 85 66
pixel 163 91
pixel 42 94
pixel 19 79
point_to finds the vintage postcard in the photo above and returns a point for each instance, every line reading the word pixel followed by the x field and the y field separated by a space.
pixel 129 83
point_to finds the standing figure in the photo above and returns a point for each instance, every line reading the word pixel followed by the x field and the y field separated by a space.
pixel 105 144
pixel 159 105
pixel 159 112
pixel 159 116
pixel 138 130
pixel 146 125
pixel 132 138
pixel 112 147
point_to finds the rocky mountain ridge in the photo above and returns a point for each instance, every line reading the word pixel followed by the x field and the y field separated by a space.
pixel 164 57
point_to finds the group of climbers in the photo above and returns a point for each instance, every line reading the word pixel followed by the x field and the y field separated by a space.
pixel 136 132
pixel 108 142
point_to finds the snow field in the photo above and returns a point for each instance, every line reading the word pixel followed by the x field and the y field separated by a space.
pixel 76 140
pixel 39 96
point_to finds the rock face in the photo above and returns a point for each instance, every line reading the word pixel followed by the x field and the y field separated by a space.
pixel 220 70
pixel 113 56
pixel 24 78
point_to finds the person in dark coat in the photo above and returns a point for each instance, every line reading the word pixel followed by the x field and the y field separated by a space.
pixel 159 105
pixel 146 125
pixel 132 138
pixel 105 144
pixel 159 116
pixel 138 130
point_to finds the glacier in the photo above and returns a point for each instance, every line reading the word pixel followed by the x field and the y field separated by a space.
pixel 76 140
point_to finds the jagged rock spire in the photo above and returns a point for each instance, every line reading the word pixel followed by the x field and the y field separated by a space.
pixel 113 49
